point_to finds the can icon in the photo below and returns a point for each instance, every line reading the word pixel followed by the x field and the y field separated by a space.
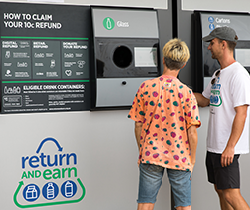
pixel 68 189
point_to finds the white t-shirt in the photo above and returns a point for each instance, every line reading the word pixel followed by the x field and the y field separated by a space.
pixel 230 90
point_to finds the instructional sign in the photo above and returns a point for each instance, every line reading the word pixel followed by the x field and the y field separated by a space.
pixel 44 58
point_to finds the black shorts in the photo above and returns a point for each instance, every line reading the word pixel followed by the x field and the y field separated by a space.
pixel 223 177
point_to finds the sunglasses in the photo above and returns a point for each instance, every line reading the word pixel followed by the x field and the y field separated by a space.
pixel 214 79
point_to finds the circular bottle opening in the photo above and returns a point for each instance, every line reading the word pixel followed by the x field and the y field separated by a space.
pixel 122 57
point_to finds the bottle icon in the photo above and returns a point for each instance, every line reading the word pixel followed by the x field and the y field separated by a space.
pixel 68 189
pixel 50 191
pixel 108 23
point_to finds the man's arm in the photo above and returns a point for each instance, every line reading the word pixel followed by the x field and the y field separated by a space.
pixel 138 129
pixel 237 128
pixel 201 100
pixel 193 140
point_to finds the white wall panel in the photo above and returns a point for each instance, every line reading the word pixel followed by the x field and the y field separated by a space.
pixel 215 5
pixel 106 150
pixel 123 3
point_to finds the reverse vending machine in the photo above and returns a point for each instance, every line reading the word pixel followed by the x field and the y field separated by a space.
pixel 204 22
pixel 126 43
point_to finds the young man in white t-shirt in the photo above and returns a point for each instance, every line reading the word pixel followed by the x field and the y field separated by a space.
pixel 228 130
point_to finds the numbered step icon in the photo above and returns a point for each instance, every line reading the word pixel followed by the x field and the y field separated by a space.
pixel 50 190
pixel 68 189
pixel 31 192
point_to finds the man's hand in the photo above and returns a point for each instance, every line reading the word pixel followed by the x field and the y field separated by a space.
pixel 201 100
pixel 237 128
pixel 227 156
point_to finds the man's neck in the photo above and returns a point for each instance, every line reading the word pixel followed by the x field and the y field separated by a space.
pixel 168 72
pixel 226 61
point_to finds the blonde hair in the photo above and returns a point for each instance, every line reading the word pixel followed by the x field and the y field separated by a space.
pixel 175 53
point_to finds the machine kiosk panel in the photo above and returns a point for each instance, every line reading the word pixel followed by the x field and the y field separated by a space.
pixel 126 53
pixel 203 64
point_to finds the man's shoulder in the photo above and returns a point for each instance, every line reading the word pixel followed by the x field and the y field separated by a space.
pixel 238 66
pixel 239 71
pixel 183 87
pixel 149 81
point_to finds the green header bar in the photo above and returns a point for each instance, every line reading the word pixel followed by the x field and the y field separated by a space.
pixel 45 81
pixel 60 38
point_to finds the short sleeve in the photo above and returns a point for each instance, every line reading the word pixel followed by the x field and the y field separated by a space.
pixel 206 93
pixel 136 112
pixel 240 87
pixel 192 111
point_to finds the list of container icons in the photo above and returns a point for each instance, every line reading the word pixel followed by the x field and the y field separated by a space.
pixel 211 25
pixel 49 191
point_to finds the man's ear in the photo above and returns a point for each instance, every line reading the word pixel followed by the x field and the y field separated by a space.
pixel 224 44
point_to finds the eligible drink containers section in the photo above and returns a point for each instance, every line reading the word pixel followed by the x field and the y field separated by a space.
pixel 49 191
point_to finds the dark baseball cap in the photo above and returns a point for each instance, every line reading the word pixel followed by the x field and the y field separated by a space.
pixel 224 33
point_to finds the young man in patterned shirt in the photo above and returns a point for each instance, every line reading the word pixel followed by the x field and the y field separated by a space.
pixel 166 116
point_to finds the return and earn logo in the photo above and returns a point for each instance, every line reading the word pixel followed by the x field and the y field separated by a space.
pixel 68 189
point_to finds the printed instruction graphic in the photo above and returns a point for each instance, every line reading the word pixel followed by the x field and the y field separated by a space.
pixel 61 185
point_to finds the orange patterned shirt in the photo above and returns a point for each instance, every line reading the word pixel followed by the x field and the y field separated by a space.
pixel 167 108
